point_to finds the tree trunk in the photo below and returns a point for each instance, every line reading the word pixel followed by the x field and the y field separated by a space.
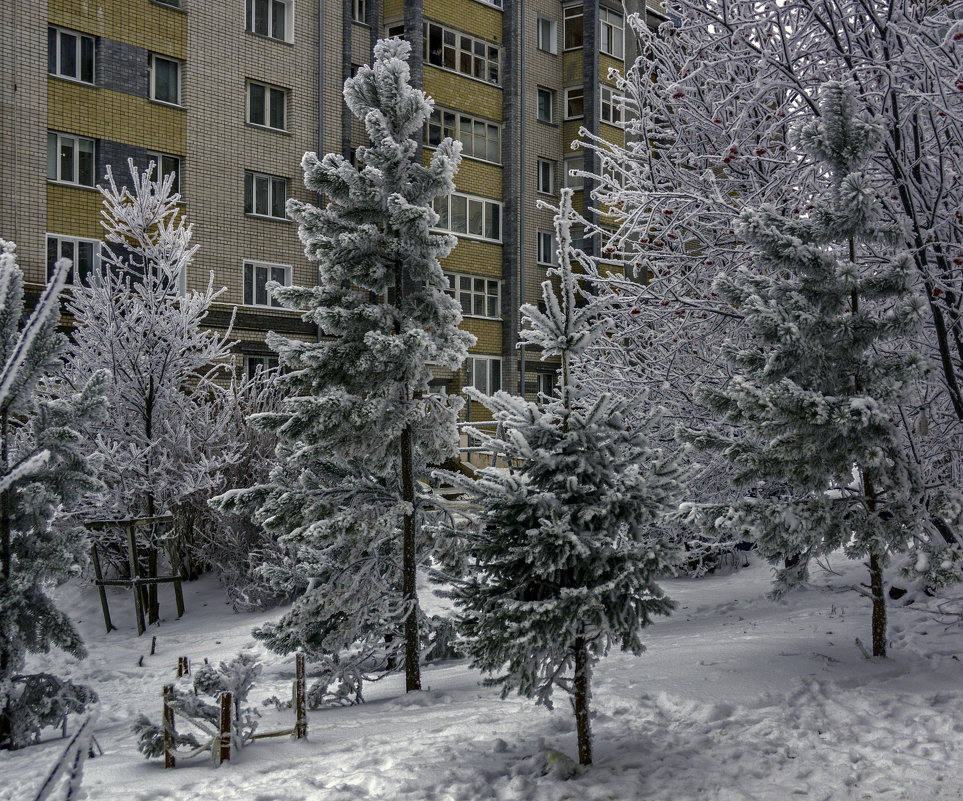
pixel 408 570
pixel 6 556
pixel 582 686
pixel 879 604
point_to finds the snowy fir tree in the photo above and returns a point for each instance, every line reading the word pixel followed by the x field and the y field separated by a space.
pixel 43 473
pixel 562 565
pixel 816 386
pixel 362 423
pixel 134 319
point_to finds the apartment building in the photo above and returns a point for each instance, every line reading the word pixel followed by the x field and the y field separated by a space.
pixel 228 95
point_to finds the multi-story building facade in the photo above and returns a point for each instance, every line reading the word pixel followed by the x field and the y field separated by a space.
pixel 229 94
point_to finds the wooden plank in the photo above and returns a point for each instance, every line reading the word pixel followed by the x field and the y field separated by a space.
pixel 100 525
pixel 139 581
pixel 178 597
pixel 300 699
pixel 95 558
pixel 224 751
pixel 265 735
pixel 169 761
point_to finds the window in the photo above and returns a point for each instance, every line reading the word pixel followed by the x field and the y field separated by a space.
pixel 545 248
pixel 545 34
pixel 165 165
pixel 260 364
pixel 70 159
pixel 271 18
pixel 574 102
pixel 172 3
pixel 469 215
pixel 70 55
pixel 610 32
pixel 265 195
pixel 479 139
pixel 573 27
pixel 165 80
pixel 265 105
pixel 545 384
pixel 484 373
pixel 357 10
pixel 479 297
pixel 546 176
pixel 456 51
pixel 573 163
pixel 256 276
pixel 395 31
pixel 84 255
pixel 610 106
pixel 546 100
pixel 495 3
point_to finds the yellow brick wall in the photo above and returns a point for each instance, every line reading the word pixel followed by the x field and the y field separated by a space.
pixel 488 333
pixel 456 91
pixel 475 257
pixel 472 17
pixel 74 211
pixel 152 26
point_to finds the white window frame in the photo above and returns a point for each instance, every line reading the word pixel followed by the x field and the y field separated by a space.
pixel 475 296
pixel 549 94
pixel 55 51
pixel 453 50
pixel 250 298
pixel 154 58
pixel 447 122
pixel 491 215
pixel 270 183
pixel 609 98
pixel 486 368
pixel 163 167
pixel 578 91
pixel 269 100
pixel 546 34
pixel 73 278
pixel 494 3
pixel 358 11
pixel 611 33
pixel 569 163
pixel 545 176
pixel 250 21
pixel 265 364
pixel 545 248
pixel 573 13
pixel 545 384
pixel 74 178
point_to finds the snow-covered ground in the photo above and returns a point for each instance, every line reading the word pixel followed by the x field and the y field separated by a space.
pixel 738 697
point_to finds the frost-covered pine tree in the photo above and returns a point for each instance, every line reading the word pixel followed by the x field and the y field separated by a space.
pixel 814 391
pixel 43 473
pixel 161 442
pixel 363 423
pixel 563 565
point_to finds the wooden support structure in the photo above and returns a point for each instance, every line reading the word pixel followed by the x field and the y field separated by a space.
pixel 300 699
pixel 224 746
pixel 183 667
pixel 139 583
pixel 169 739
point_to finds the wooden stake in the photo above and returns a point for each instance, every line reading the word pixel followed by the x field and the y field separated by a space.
pixel 300 703
pixel 153 644
pixel 224 751
pixel 139 596
pixel 183 667
pixel 99 576
pixel 169 761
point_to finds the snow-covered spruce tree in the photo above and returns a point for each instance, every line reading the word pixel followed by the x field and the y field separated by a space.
pixel 362 423
pixel 134 320
pixel 816 387
pixel 563 566
pixel 42 473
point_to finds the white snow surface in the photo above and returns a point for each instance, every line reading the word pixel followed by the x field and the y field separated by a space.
pixel 738 698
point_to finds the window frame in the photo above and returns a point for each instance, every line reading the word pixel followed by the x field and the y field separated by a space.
pixel 546 27
pixel 472 364
pixel 566 17
pixel 74 180
pixel 57 54
pixel 358 11
pixel 488 205
pixel 610 33
pixel 268 109
pixel 579 93
pixel 251 209
pixel 545 170
pixel 260 362
pixel 73 279
pixel 569 181
pixel 615 102
pixel 546 239
pixel 540 92
pixel 161 171
pixel 462 295
pixel 543 377
pixel 251 22
pixel 270 302
pixel 452 52
pixel 440 123
pixel 152 69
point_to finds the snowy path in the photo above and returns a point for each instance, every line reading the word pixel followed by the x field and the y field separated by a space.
pixel 739 698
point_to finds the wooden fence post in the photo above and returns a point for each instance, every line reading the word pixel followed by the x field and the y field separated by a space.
pixel 183 667
pixel 300 704
pixel 99 576
pixel 140 596
pixel 168 726
pixel 224 750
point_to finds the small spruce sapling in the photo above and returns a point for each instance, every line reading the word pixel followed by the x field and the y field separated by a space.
pixel 43 475
pixel 562 565
pixel 814 391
